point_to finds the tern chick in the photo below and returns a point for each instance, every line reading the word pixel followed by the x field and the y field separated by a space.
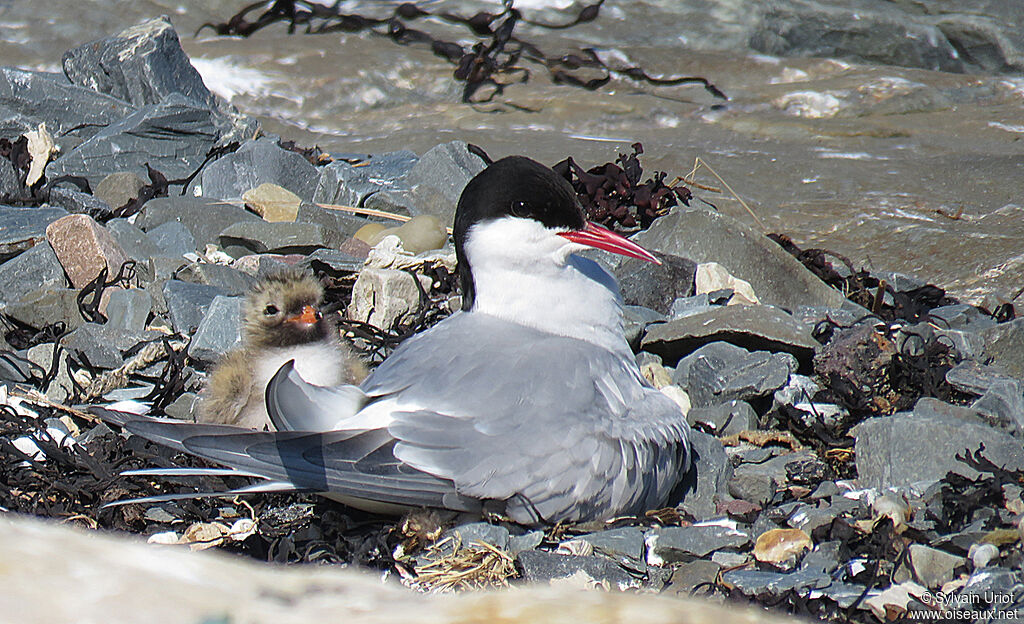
pixel 281 321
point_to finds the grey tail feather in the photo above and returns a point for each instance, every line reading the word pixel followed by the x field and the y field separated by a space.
pixel 256 488
pixel 189 472
pixel 294 404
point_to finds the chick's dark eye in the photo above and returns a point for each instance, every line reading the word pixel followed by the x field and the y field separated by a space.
pixel 520 209
pixel 270 310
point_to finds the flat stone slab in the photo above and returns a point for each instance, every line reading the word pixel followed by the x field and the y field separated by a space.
pixel 187 304
pixel 29 98
pixel 255 163
pixel 283 238
pixel 903 449
pixel 751 327
pixel 23 228
pixel 206 218
pixel 544 567
pixel 219 331
pixel 37 268
pixel 673 544
pixel 705 236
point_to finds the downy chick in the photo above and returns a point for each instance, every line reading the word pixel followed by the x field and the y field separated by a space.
pixel 281 321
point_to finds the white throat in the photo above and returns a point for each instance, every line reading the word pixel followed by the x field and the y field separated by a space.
pixel 525 273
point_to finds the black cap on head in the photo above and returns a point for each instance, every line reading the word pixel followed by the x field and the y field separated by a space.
pixel 515 186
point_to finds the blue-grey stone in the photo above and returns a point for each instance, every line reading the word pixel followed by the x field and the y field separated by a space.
pixel 724 419
pixel 15 367
pixel 704 235
pixel 974 378
pixel 688 576
pixel 930 407
pixel 141 64
pixel 187 304
pixel 625 546
pixel 333 261
pixel 219 331
pixel 77 202
pixel 904 449
pixel 685 306
pixel 23 228
pixel 258 162
pixel 173 239
pixel 133 241
pixel 37 268
pixel 754 582
pixel 231 281
pixel 635 321
pixel 526 541
pixel 350 185
pixel 752 485
pixel 283 237
pixel 1004 347
pixel 824 558
pixel 755 327
pixel 129 309
pixel 809 518
pixel 900 282
pixel 706 483
pixel 204 217
pixel 467 534
pixel 103 345
pixel 1002 405
pixel 173 136
pixel 183 407
pixel 437 179
pixel 543 567
pixel 960 316
pixel 673 544
pixel 654 286
pixel 11 189
pixel 46 306
pixel 29 98
pixel 720 372
pixel 344 223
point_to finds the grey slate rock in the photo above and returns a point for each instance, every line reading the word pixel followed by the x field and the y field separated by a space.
pixel 718 373
pixel 37 268
pixel 219 331
pixel 119 188
pixel 526 541
pixel 333 261
pixel 254 163
pixel 173 136
pixel 686 306
pixel 77 202
pixel 974 378
pixel 538 566
pixel 60 387
pixel 132 239
pixel 231 281
pixel 1002 405
pixel 707 236
pixel 23 228
pixel 674 544
pixel 468 534
pixel 824 558
pixel 960 316
pixel 861 34
pixel 687 576
pixel 46 306
pixel 436 181
pixel 29 98
pixel 103 345
pixel 206 218
pixel 187 304
pixel 344 223
pixel 635 320
pixel 754 582
pixel 11 189
pixel 142 64
pixel 705 484
pixel 724 419
pixel 281 237
pixel 753 327
pixel 348 185
pixel 750 484
pixel 625 546
pixel 128 309
pixel 932 567
pixel 656 286
pixel 173 239
pixel 1004 347
pixel 184 407
pixel 930 407
pixel 903 449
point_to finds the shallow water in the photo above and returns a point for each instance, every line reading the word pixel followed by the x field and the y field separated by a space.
pixel 898 169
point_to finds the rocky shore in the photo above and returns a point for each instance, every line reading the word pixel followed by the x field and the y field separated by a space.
pixel 858 434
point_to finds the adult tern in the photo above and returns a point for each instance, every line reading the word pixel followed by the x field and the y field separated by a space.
pixel 527 403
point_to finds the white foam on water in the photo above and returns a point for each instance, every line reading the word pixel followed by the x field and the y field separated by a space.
pixel 228 79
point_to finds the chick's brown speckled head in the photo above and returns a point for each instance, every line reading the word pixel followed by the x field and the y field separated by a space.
pixel 283 310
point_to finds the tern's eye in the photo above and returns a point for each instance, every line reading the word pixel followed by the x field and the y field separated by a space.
pixel 270 310
pixel 520 209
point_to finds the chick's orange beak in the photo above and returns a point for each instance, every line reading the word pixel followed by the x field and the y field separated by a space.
pixel 309 315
